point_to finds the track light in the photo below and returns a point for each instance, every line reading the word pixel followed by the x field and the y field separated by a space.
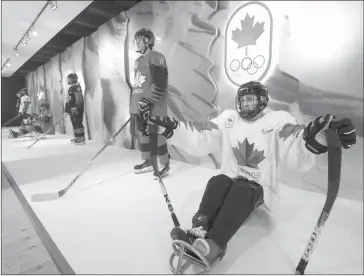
pixel 52 4
pixel 33 32
pixel 17 52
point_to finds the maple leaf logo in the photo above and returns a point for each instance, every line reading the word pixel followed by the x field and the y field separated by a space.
pixel 139 79
pixel 248 34
pixel 247 156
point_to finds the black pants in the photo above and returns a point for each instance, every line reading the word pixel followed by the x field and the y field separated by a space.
pixel 144 142
pixel 77 124
pixel 228 203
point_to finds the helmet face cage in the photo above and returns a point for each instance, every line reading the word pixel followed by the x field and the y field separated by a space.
pixel 44 106
pixel 72 78
pixel 146 36
pixel 251 99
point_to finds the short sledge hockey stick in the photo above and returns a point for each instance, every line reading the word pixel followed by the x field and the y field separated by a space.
pixel 153 136
pixel 56 195
pixel 334 172
pixel 44 134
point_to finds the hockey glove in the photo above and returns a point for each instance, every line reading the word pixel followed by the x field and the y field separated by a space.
pixel 314 128
pixel 75 111
pixel 144 109
pixel 345 130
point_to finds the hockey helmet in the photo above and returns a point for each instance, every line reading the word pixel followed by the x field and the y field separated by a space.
pixel 72 78
pixel 44 105
pixel 249 107
pixel 146 36
pixel 22 91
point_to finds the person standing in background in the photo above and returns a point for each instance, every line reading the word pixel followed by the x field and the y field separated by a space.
pixel 75 107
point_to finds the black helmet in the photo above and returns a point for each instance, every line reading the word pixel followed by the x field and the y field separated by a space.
pixel 251 88
pixel 45 105
pixel 147 36
pixel 23 91
pixel 72 78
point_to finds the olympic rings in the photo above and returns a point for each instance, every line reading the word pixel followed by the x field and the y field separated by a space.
pixel 246 64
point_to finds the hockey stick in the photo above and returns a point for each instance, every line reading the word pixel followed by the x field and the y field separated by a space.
pixel 44 134
pixel 56 195
pixel 11 120
pixel 153 136
pixel 334 171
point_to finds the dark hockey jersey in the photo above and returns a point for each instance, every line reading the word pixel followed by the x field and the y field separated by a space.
pixel 150 82
pixel 75 97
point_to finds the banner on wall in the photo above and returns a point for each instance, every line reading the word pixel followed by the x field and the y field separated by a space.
pixel 248 43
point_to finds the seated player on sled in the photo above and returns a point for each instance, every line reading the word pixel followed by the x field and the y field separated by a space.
pixel 254 143
pixel 34 122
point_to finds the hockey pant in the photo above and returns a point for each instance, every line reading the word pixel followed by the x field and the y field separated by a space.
pixel 228 203
pixel 144 145
pixel 28 129
pixel 77 124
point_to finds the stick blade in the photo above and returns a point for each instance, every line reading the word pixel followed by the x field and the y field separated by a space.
pixel 45 197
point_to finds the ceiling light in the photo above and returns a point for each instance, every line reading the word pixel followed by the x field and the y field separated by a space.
pixel 16 52
pixel 53 4
pixel 33 31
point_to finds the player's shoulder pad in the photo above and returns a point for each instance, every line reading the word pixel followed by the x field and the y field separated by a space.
pixel 281 117
pixel 157 59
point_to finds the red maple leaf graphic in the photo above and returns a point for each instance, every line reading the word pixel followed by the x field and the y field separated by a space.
pixel 247 156
pixel 248 34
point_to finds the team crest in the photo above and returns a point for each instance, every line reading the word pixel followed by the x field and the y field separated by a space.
pixel 248 43
pixel 229 122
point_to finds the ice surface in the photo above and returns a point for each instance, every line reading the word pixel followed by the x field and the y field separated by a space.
pixel 113 221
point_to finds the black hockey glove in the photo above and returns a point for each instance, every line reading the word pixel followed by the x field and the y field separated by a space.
pixel 344 128
pixel 75 111
pixel 144 109
pixel 314 128
pixel 346 131
pixel 166 125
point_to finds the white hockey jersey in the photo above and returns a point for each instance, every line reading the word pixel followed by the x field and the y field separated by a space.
pixel 253 149
pixel 23 100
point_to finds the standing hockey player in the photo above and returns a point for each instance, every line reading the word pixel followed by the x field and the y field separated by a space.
pixel 75 107
pixel 254 143
pixel 23 101
pixel 33 122
pixel 149 99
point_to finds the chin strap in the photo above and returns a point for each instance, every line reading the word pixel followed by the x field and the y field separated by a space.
pixel 140 52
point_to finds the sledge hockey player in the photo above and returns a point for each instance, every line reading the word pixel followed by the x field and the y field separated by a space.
pixel 33 122
pixel 75 108
pixel 149 99
pixel 254 143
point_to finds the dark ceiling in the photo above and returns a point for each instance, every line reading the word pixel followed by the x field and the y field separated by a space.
pixel 87 22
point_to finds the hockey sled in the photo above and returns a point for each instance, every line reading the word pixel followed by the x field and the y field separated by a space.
pixel 188 256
